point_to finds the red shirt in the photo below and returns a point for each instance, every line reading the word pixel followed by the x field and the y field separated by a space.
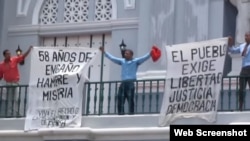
pixel 9 70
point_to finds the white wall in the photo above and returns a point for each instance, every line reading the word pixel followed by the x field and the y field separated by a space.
pixel 127 127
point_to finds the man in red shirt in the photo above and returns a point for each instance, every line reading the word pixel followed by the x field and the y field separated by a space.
pixel 10 73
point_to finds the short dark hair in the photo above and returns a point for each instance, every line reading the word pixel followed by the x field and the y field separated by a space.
pixel 5 51
pixel 131 51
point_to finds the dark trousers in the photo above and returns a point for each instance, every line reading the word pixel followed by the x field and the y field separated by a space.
pixel 126 91
pixel 244 79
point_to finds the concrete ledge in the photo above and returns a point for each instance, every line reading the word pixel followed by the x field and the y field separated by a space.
pixel 153 133
pixel 110 134
pixel 133 121
pixel 111 127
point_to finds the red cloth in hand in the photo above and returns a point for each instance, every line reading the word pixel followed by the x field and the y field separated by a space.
pixel 155 53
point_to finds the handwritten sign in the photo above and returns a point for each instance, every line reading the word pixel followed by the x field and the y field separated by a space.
pixel 56 86
pixel 193 80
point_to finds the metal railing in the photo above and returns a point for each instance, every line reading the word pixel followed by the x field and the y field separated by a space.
pixel 229 97
pixel 13 101
pixel 149 94
pixel 147 97
pixel 100 98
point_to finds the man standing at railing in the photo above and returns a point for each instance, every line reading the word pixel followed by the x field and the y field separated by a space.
pixel 10 73
pixel 243 49
pixel 128 75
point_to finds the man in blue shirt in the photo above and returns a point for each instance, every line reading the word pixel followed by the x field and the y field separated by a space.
pixel 243 49
pixel 128 75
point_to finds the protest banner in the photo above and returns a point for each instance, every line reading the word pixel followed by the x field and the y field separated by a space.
pixel 193 80
pixel 56 85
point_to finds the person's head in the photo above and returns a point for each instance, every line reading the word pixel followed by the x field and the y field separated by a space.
pixel 247 37
pixel 128 54
pixel 6 54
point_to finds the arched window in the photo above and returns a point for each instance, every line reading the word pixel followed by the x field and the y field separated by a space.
pixel 74 11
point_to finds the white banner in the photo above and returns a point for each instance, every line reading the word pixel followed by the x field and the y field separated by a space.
pixel 193 80
pixel 57 77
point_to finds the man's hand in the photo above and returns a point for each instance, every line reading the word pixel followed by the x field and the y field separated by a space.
pixel 28 51
pixel 101 49
pixel 230 41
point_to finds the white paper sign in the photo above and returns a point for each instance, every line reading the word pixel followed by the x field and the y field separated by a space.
pixel 57 77
pixel 193 80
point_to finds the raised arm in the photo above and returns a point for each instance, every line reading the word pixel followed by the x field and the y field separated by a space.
pixel 20 58
pixel 142 59
pixel 27 52
pixel 114 59
pixel 231 47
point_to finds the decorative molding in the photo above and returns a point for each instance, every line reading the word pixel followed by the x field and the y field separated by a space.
pixel 39 4
pixel 49 12
pixel 103 10
pixel 22 8
pixel 73 28
pixel 37 8
pixel 76 11
pixel 129 4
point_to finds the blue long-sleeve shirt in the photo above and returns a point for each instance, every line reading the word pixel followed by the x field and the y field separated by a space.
pixel 129 67
pixel 239 49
